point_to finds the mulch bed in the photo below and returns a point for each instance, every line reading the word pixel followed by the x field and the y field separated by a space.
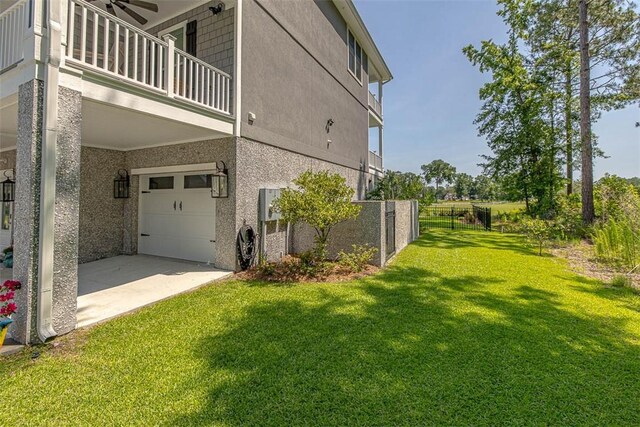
pixel 581 260
pixel 288 271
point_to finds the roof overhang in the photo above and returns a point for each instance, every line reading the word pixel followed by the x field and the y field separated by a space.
pixel 353 19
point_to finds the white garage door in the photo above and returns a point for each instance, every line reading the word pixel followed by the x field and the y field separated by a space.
pixel 177 216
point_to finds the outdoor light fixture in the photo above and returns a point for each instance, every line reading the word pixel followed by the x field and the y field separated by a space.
pixel 330 123
pixel 217 9
pixel 8 188
pixel 121 185
pixel 220 181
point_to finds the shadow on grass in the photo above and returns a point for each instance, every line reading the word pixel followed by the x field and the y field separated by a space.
pixel 410 347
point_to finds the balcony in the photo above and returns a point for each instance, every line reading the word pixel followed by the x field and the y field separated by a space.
pixel 14 23
pixel 375 107
pixel 127 58
pixel 375 163
pixel 104 44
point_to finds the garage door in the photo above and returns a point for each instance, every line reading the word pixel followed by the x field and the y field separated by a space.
pixel 177 216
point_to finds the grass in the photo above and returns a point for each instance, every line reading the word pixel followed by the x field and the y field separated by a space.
pixel 466 328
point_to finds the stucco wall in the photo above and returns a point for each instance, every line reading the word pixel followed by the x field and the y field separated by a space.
pixel 214 35
pixel 101 215
pixel 295 78
pixel 184 154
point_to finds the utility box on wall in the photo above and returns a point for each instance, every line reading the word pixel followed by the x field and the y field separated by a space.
pixel 267 198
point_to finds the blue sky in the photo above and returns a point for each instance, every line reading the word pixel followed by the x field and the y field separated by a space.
pixel 430 105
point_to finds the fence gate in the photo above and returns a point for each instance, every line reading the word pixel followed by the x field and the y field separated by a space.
pixel 457 218
pixel 390 228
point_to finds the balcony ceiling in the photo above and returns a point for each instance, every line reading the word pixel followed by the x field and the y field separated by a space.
pixel 167 9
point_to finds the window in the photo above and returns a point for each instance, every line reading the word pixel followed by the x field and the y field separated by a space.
pixel 357 58
pixel 197 181
pixel 178 31
pixel 161 183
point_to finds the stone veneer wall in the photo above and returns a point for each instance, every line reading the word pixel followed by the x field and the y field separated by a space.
pixel 407 223
pixel 263 166
pixel 368 228
pixel 214 35
pixel 101 215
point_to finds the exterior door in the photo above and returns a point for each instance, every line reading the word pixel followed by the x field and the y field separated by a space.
pixel 177 216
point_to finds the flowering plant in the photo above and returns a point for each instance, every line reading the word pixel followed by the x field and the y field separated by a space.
pixel 7 294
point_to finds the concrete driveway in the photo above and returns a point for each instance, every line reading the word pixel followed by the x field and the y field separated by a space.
pixel 110 287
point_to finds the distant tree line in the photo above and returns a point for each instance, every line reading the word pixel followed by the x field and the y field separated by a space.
pixel 447 184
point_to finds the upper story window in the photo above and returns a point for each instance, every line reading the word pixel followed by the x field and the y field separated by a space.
pixel 357 58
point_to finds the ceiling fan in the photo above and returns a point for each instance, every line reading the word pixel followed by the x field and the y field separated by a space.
pixel 122 4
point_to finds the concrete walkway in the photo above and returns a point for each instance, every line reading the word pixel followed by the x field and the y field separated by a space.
pixel 114 286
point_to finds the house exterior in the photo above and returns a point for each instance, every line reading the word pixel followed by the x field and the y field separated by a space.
pixel 258 92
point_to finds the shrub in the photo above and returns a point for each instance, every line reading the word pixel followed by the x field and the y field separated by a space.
pixel 616 199
pixel 321 200
pixel 537 231
pixel 358 259
pixel 568 218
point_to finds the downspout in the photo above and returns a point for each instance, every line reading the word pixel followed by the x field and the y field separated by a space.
pixel 48 174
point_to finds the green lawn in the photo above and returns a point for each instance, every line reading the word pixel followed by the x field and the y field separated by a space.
pixel 464 328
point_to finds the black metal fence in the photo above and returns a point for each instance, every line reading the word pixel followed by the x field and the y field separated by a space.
pixel 456 218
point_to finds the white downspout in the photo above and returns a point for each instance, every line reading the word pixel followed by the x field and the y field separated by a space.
pixel 48 174
pixel 237 75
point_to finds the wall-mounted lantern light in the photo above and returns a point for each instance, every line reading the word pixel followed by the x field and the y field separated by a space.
pixel 8 187
pixel 121 185
pixel 220 181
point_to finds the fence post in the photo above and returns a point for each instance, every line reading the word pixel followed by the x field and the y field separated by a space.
pixel 452 217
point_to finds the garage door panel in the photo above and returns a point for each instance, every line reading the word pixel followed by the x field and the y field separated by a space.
pixel 186 231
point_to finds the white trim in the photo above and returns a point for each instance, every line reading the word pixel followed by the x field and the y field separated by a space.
pixel 160 144
pixel 172 28
pixel 196 167
pixel 2 150
pixel 237 72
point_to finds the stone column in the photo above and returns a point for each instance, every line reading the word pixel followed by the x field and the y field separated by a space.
pixel 27 210
pixel 67 213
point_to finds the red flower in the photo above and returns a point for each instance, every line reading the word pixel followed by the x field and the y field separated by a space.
pixel 7 297
pixel 8 309
pixel 12 285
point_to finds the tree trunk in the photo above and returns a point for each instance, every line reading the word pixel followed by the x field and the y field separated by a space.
pixel 588 212
pixel 568 123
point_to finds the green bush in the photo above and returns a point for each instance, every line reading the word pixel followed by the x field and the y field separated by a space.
pixel 568 223
pixel 322 200
pixel 358 259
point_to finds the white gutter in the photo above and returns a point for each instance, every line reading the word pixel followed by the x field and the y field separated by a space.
pixel 48 174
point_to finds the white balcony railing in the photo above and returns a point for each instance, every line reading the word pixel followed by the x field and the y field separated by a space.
pixel 13 24
pixel 375 161
pixel 106 44
pixel 375 105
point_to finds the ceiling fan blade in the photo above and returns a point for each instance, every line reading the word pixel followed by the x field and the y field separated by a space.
pixel 131 13
pixel 143 4
pixel 110 9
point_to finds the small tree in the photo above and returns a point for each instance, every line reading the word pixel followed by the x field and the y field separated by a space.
pixel 537 232
pixel 321 200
